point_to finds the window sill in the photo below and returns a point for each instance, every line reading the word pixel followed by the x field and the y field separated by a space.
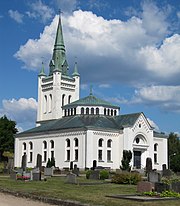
pixel 109 161
pixel 100 161
pixel 67 161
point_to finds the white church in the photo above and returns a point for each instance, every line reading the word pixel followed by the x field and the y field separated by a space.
pixel 84 130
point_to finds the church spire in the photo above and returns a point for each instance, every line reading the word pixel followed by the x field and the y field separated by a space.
pixel 58 60
pixel 42 73
pixel 75 73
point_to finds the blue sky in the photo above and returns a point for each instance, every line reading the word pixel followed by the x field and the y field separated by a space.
pixel 129 50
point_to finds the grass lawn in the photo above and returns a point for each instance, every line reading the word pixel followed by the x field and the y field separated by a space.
pixel 57 187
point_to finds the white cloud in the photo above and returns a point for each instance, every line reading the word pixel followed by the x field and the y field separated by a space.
pixel 166 97
pixel 112 50
pixel 18 17
pixel 23 111
pixel 40 11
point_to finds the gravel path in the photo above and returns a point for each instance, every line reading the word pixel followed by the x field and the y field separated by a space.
pixel 10 200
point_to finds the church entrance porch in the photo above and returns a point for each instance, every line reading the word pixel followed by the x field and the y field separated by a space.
pixel 137 159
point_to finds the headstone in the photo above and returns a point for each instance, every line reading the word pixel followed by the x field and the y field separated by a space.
pixel 166 173
pixel 39 161
pixel 71 165
pixel 164 167
pixel 48 171
pixel 160 187
pixel 75 170
pixel 13 174
pixel 71 178
pixel 154 177
pixel 19 170
pixel 24 162
pixel 144 186
pixel 94 164
pixel 175 186
pixel 94 175
pixel 148 165
pixel 36 174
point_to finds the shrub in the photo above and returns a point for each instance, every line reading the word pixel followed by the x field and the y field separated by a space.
pixel 104 174
pixel 127 156
pixel 88 172
pixel 126 178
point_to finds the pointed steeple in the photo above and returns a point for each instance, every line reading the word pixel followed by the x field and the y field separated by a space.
pixel 91 93
pixel 58 60
pixel 42 73
pixel 75 73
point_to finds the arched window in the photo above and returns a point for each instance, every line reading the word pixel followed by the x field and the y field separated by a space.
pixel 111 112
pixel 76 142
pixel 68 112
pixel 109 143
pixel 115 112
pixel 100 142
pixel 30 145
pixel 63 99
pixel 92 110
pixel 65 112
pixel 52 143
pixel 104 111
pixel 45 104
pixel 71 111
pixel 50 103
pixel 82 110
pixel 108 112
pixel 155 147
pixel 97 111
pixel 74 111
pixel 24 146
pixel 87 110
pixel 45 144
pixel 69 99
pixel 67 142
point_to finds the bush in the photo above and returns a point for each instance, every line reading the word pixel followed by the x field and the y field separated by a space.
pixel 127 156
pixel 104 174
pixel 126 178
pixel 88 172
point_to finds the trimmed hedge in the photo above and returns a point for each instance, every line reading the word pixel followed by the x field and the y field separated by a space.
pixel 126 178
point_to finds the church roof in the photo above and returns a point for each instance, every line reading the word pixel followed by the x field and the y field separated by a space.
pixel 90 100
pixel 99 122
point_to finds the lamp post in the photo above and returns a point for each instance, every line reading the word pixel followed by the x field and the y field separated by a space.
pixel 170 158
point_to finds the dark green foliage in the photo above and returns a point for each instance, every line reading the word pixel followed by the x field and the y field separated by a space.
pixel 50 162
pixel 7 132
pixel 104 174
pixel 88 172
pixel 174 152
pixel 127 156
pixel 126 178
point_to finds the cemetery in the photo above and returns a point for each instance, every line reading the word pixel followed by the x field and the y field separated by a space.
pixel 96 185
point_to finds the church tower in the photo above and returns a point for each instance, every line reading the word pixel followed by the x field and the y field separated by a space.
pixel 57 88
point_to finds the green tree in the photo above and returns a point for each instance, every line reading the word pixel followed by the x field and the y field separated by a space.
pixel 127 156
pixel 174 152
pixel 7 132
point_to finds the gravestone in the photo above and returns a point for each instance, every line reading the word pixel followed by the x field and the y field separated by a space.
pixel 19 171
pixel 71 178
pixel 36 174
pixel 154 177
pixel 94 175
pixel 24 162
pixel 160 187
pixel 148 165
pixel 166 173
pixel 75 170
pixel 39 161
pixel 13 174
pixel 144 186
pixel 71 165
pixel 48 171
pixel 94 164
pixel 175 186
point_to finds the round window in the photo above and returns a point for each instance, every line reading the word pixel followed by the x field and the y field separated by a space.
pixel 137 140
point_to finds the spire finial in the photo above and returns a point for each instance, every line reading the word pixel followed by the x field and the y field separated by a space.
pixel 91 89
pixel 42 73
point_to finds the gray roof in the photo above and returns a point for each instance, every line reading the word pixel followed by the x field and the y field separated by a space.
pixel 84 122
pixel 90 100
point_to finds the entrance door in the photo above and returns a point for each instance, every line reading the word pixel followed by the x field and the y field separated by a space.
pixel 137 159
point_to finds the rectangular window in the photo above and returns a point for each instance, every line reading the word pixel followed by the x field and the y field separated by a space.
pixel 76 154
pixel 155 158
pixel 30 156
pixel 52 154
pixel 45 156
pixel 109 155
pixel 100 155
pixel 68 155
